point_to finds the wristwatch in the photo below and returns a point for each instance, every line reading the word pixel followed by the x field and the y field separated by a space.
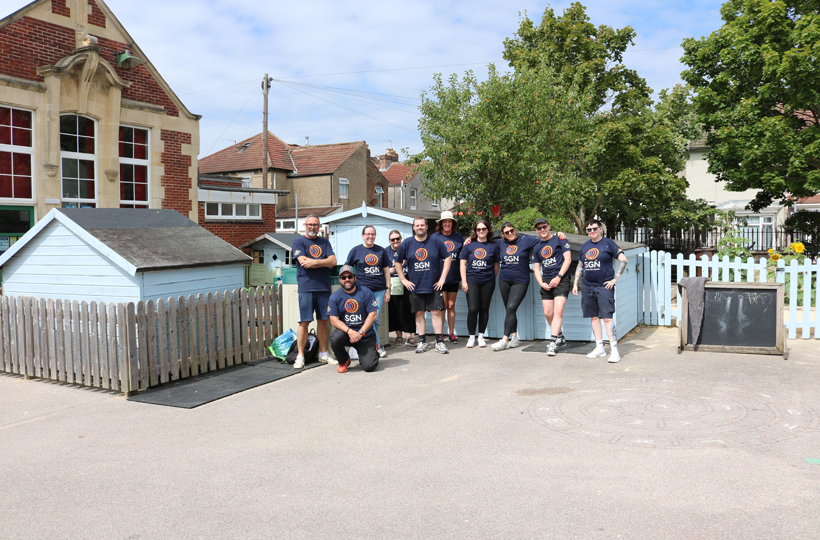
pixel 361 331
pixel 560 276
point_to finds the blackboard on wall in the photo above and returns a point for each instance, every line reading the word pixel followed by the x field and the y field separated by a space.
pixel 737 317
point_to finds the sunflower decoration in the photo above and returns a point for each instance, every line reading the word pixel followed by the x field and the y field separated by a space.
pixel 798 247
pixel 776 256
pixel 770 251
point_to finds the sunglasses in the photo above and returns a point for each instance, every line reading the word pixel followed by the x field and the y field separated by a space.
pixel 542 228
pixel 395 239
pixel 479 229
pixel 346 278
pixel 592 229
pixel 510 231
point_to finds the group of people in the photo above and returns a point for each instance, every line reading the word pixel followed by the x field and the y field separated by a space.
pixel 428 270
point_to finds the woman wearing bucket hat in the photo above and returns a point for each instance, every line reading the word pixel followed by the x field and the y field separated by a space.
pixel 453 241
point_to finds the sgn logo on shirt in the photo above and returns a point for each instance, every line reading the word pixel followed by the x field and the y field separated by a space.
pixel 421 254
pixel 371 259
pixel 351 305
pixel 480 253
pixel 511 250
pixel 449 245
pixel 546 252
pixel 315 251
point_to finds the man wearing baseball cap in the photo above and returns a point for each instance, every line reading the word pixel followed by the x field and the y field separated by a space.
pixel 353 310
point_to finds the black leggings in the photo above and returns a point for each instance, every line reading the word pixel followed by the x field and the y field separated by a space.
pixel 512 294
pixel 479 296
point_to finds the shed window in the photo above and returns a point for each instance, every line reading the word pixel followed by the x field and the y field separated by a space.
pixel 343 185
pixel 16 150
pixel 134 167
pixel 78 160
pixel 259 256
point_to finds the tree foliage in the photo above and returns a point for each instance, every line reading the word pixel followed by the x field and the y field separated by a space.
pixel 757 80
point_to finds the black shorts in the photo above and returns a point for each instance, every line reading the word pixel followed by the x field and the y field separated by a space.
pixel 451 287
pixel 561 290
pixel 597 301
pixel 433 301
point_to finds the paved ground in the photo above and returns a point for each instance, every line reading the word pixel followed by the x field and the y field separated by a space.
pixel 474 444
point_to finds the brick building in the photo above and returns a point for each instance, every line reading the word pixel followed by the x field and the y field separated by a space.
pixel 86 120
pixel 322 179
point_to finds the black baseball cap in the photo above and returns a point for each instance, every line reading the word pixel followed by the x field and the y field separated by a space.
pixel 541 220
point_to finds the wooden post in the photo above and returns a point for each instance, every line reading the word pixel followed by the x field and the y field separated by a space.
pixel 220 330
pixel 182 317
pixel 162 340
pixel 85 344
pixel 173 347
pixel 59 319
pixel 236 323
pixel 105 363
pixel 76 355
pixel 193 347
pixel 132 355
pixel 142 344
pixel 153 358
pixel 122 350
pixel 210 331
pixel 200 323
pixel 243 324
pixel 51 318
pixel 95 349
pixel 113 364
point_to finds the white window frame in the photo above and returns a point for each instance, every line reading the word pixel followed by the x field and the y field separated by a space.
pixel 11 148
pixel 379 197
pixel 138 162
pixel 221 215
pixel 80 202
pixel 435 202
pixel 286 224
pixel 413 198
pixel 344 188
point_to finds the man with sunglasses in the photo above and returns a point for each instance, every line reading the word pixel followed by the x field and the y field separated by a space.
pixel 353 310
pixel 551 259
pixel 425 280
pixel 598 299
pixel 314 258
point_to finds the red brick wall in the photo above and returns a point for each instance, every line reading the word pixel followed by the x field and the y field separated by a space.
pixel 375 178
pixel 59 7
pixel 176 181
pixel 237 233
pixel 28 43
pixel 96 17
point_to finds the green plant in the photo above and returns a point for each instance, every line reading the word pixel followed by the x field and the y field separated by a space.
pixel 524 220
pixel 795 252
pixel 733 246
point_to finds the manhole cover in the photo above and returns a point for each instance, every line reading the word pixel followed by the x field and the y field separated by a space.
pixel 668 413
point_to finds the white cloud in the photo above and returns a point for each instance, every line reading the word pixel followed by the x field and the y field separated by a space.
pixel 203 48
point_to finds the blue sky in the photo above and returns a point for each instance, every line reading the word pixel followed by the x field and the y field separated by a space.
pixel 214 53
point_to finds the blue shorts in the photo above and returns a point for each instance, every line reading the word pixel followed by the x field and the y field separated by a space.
pixel 597 301
pixel 313 302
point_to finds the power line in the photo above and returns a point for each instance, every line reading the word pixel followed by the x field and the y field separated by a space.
pixel 231 122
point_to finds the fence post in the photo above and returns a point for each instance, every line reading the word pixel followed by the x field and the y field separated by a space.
pixel 132 356
pixel 806 270
pixel 793 282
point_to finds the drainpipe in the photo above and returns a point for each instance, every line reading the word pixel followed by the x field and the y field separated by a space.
pixel 401 191
pixel 296 211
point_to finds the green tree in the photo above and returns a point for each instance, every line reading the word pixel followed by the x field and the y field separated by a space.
pixel 757 80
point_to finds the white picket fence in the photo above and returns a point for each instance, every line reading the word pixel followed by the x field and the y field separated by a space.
pixel 658 292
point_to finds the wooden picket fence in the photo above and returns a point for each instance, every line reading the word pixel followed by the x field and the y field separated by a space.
pixel 127 348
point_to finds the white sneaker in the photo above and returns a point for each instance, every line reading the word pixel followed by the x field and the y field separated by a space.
pixel 381 351
pixel 421 347
pixel 615 357
pixel 481 342
pixel 353 353
pixel 551 348
pixel 514 342
pixel 500 345
pixel 471 342
pixel 598 352
pixel 441 348
pixel 300 362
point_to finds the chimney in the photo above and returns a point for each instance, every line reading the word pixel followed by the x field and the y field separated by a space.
pixel 307 141
pixel 389 157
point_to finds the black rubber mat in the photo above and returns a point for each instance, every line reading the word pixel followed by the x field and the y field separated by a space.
pixel 196 391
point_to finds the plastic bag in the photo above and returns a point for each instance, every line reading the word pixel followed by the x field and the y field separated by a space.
pixel 281 345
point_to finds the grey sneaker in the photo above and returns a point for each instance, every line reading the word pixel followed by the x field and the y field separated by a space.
pixel 561 341
pixel 441 348
pixel 598 352
pixel 421 347
pixel 381 351
pixel 551 348
pixel 501 344
pixel 514 342
pixel 300 362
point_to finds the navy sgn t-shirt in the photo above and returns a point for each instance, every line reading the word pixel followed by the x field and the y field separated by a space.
pixel 312 279
pixel 481 258
pixel 515 258
pixel 423 261
pixel 453 244
pixel 370 264
pixel 597 259
pixel 550 255
pixel 353 309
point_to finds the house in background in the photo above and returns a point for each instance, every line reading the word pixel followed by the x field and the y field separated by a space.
pixel 119 255
pixel 405 185
pixel 86 120
pixel 319 179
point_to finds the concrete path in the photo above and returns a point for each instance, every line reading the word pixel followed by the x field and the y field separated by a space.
pixel 474 444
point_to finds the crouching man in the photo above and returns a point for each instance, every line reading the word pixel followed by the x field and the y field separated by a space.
pixel 353 311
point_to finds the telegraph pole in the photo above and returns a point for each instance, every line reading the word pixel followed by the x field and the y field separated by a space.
pixel 265 88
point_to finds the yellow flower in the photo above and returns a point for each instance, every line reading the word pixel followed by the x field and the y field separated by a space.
pixel 798 247
pixel 770 251
pixel 776 256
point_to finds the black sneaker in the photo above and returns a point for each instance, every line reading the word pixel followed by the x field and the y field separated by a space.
pixel 453 338
pixel 561 342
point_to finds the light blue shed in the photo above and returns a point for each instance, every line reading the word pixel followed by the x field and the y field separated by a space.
pixel 345 229
pixel 119 255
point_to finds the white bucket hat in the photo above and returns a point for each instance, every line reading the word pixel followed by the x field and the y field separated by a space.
pixel 446 215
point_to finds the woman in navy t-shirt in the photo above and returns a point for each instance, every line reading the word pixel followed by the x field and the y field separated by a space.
pixel 452 240
pixel 372 265
pixel 478 268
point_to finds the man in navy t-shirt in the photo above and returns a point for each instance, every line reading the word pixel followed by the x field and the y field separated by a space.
pixel 551 259
pixel 425 280
pixel 353 310
pixel 314 258
pixel 598 299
